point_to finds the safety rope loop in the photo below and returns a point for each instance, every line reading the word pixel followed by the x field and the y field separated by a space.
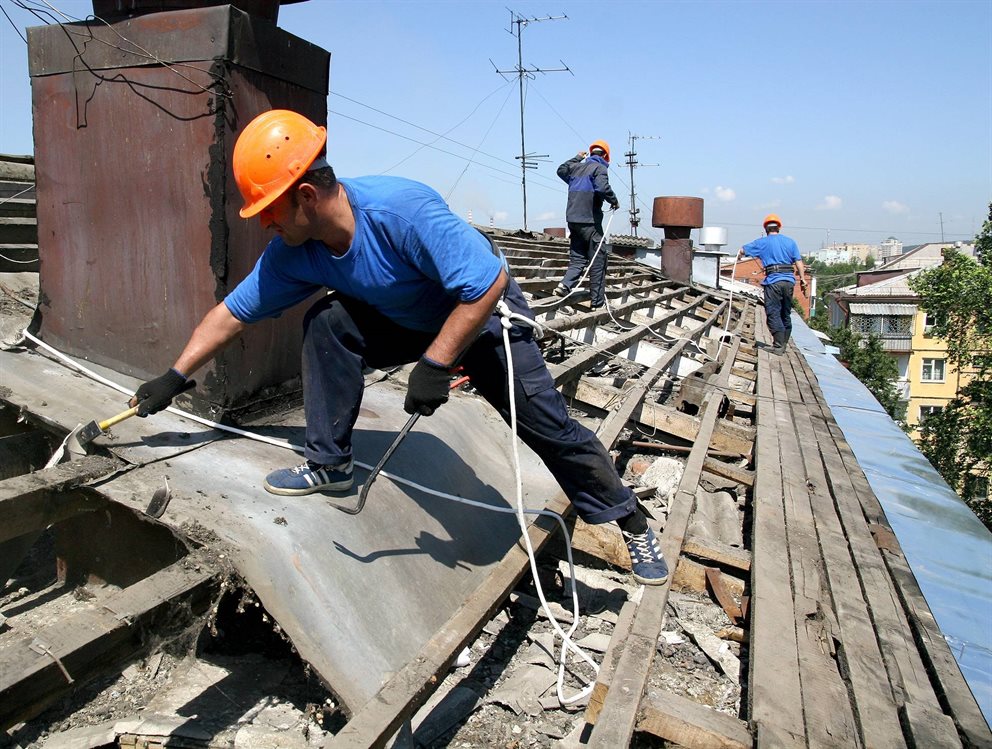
pixel 508 317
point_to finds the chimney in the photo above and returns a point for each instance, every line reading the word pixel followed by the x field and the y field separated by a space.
pixel 139 232
pixel 678 216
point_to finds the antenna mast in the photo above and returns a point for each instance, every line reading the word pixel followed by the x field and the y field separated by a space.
pixel 517 25
pixel 631 162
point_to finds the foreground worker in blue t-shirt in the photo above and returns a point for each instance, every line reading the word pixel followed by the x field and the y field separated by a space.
pixel 778 254
pixel 412 282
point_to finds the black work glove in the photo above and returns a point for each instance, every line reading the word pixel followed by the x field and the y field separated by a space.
pixel 427 388
pixel 157 394
pixel 615 205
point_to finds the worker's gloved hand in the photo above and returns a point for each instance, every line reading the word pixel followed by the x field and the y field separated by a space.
pixel 615 205
pixel 427 388
pixel 157 394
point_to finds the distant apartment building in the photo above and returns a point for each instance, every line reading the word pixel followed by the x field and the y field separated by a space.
pixel 889 248
pixel 845 253
pixel 882 302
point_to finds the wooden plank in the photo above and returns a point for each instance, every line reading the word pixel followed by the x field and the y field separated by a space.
pixel 727 437
pixel 826 706
pixel 621 631
pixel 715 551
pixel 874 702
pixel 774 691
pixel 618 716
pixel 33 501
pixel 39 670
pixel 904 666
pixel 690 724
pixel 571 322
pixel 375 722
pixel 690 575
pixel 729 471
pixel 722 594
pixel 903 617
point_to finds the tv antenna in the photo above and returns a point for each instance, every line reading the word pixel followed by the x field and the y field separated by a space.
pixel 635 212
pixel 517 25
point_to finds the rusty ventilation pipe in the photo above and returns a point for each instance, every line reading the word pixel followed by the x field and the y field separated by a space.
pixel 678 216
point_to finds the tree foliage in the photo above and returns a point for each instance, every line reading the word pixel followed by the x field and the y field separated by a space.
pixel 958 440
pixel 830 276
pixel 867 360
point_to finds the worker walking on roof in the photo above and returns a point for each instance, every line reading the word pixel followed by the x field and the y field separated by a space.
pixel 780 259
pixel 588 186
pixel 412 282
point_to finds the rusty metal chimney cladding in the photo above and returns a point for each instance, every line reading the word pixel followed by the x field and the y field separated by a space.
pixel 135 119
pixel 678 216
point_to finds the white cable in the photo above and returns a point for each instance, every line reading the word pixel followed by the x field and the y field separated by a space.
pixel 519 509
pixel 566 643
pixel 730 304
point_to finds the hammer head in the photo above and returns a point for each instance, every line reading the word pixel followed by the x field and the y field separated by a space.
pixel 79 438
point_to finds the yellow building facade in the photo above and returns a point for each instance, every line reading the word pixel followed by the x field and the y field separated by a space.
pixel 932 382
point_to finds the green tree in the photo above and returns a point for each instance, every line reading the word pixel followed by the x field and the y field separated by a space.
pixel 958 440
pixel 867 360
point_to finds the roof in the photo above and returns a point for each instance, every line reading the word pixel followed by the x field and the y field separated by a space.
pixel 883 309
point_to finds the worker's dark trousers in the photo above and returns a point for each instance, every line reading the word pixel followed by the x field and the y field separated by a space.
pixel 778 307
pixel 584 239
pixel 341 335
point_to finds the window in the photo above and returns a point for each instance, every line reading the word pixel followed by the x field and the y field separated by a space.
pixel 929 321
pixel 926 411
pixel 933 370
pixel 901 325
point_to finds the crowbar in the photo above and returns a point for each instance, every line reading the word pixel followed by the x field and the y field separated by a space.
pixel 363 495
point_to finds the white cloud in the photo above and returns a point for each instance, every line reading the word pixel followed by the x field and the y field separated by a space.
pixel 830 203
pixel 895 207
pixel 501 216
pixel 787 180
pixel 771 205
pixel 725 194
pixel 547 216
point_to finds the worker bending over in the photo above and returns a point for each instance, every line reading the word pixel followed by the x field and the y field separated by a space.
pixel 779 257
pixel 412 282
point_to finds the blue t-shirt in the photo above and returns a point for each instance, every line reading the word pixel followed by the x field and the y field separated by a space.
pixel 774 249
pixel 411 259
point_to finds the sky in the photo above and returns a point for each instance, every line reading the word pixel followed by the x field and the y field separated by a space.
pixel 853 121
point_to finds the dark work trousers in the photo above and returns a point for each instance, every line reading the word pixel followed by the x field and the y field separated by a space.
pixel 341 335
pixel 584 239
pixel 778 307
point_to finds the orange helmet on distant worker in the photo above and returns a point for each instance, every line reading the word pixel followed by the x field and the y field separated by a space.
pixel 604 146
pixel 272 152
pixel 771 218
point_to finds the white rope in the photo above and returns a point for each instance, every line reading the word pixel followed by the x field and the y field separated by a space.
pixel 566 638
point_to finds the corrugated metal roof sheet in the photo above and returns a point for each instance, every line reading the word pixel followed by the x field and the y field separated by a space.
pixel 865 308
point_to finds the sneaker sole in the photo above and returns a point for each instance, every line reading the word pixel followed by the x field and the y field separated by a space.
pixel 651 580
pixel 338 487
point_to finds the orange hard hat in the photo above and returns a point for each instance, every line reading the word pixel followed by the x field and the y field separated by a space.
pixel 771 218
pixel 272 152
pixel 601 144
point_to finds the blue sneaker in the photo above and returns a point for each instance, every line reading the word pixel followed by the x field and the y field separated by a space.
pixel 309 478
pixel 646 560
